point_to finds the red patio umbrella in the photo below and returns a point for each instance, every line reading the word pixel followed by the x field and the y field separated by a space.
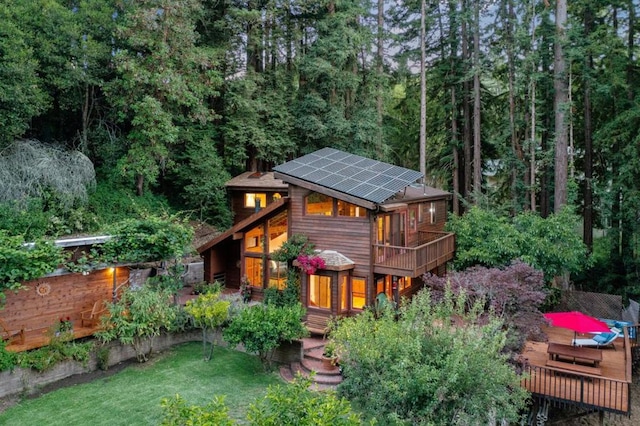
pixel 577 321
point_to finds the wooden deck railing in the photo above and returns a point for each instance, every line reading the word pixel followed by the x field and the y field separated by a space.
pixel 432 250
pixel 564 389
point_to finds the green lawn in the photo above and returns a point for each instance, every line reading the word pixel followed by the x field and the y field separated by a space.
pixel 132 396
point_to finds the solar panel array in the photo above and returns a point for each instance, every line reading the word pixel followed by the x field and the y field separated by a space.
pixel 351 174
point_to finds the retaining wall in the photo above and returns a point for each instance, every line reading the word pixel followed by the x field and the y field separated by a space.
pixel 28 381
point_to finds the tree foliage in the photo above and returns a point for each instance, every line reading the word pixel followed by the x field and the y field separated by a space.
pixel 146 240
pixel 30 169
pixel 551 245
pixel 420 367
pixel 262 328
pixel 209 313
pixel 515 294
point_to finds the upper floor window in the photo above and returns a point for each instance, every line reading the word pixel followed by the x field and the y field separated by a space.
pixel 252 199
pixel 319 204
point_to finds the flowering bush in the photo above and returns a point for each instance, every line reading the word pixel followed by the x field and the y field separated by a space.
pixel 65 325
pixel 310 264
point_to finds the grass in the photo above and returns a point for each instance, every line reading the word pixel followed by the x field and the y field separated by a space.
pixel 132 396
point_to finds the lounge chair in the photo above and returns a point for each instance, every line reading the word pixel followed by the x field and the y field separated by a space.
pixel 599 341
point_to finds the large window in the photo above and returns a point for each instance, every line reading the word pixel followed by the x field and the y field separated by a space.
pixel 277 226
pixel 254 240
pixel 320 291
pixel 319 204
pixel 255 199
pixel 253 270
pixel 358 286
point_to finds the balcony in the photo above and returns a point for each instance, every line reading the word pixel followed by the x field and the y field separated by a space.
pixel 431 250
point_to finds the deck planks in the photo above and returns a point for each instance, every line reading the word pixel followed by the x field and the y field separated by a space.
pixel 609 391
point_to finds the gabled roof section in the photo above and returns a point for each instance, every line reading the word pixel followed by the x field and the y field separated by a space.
pixel 257 181
pixel 240 226
pixel 350 174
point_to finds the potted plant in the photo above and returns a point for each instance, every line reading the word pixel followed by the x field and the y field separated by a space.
pixel 330 356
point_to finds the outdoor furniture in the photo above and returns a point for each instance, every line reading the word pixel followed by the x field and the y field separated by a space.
pixel 558 351
pixel 92 316
pixel 598 341
pixel 564 367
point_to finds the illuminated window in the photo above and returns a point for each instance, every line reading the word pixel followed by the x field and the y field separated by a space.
pixel 277 226
pixel 404 283
pixel 319 204
pixel 277 274
pixel 350 210
pixel 320 291
pixel 253 270
pixel 432 212
pixel 254 240
pixel 251 199
pixel 358 298
pixel 344 282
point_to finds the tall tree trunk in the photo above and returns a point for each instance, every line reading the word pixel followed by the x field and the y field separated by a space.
pixel 379 69
pixel 466 107
pixel 423 94
pixel 477 157
pixel 453 52
pixel 560 108
pixel 587 228
pixel 516 148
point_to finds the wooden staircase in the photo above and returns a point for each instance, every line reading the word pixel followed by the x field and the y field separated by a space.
pixel 324 379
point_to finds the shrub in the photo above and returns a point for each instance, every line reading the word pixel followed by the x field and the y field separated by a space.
pixel 61 348
pixel 418 367
pixel 8 360
pixel 139 316
pixel 296 404
pixel 176 412
pixel 262 328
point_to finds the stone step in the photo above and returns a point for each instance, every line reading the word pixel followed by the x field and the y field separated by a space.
pixel 325 379
pixel 315 353
pixel 311 364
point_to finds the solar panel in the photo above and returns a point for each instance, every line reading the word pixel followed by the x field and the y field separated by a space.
pixel 351 174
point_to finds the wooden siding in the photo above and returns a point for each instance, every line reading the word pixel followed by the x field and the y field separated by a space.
pixel 69 296
pixel 351 236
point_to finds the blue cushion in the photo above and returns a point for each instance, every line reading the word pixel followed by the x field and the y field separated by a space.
pixel 604 337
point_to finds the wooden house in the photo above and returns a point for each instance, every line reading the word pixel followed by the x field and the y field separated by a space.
pixel 377 230
pixel 252 191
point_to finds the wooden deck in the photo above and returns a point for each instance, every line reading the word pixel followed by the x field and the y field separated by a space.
pixel 38 338
pixel 608 391
pixel 414 261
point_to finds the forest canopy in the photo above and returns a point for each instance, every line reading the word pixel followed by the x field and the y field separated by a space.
pixel 528 106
